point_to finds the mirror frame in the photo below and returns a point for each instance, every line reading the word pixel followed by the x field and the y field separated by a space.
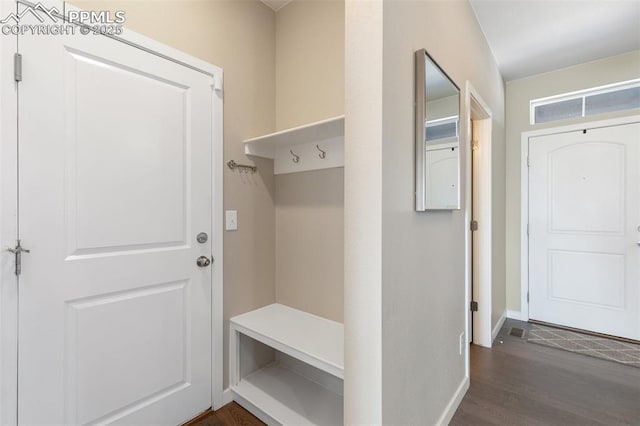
pixel 421 56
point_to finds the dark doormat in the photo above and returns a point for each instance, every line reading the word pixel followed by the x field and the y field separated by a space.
pixel 595 346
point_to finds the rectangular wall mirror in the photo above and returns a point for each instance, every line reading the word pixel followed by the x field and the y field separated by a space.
pixel 437 101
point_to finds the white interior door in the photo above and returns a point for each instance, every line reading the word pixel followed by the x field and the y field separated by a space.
pixel 481 237
pixel 114 186
pixel 584 216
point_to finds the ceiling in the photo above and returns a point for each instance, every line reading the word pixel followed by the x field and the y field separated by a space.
pixel 534 36
pixel 530 37
pixel 276 4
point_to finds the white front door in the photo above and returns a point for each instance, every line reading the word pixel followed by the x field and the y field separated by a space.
pixel 584 217
pixel 114 185
pixel 442 176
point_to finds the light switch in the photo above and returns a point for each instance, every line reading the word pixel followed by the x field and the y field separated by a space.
pixel 231 217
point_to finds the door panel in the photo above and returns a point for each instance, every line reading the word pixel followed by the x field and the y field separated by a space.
pixel 96 326
pixel 584 214
pixel 442 179
pixel 114 184
pixel 137 170
pixel 580 173
pixel 583 277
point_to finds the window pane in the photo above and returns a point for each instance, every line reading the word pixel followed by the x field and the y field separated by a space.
pixel 441 131
pixel 558 110
pixel 613 101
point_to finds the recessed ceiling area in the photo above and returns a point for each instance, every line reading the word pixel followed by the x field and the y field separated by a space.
pixel 276 5
pixel 535 36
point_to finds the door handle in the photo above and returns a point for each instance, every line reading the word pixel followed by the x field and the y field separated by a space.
pixel 203 261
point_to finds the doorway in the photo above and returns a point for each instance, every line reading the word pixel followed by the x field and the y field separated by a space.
pixel 584 229
pixel 479 200
pixel 108 299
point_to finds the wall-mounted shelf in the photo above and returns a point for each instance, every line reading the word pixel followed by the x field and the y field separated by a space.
pixel 307 389
pixel 306 142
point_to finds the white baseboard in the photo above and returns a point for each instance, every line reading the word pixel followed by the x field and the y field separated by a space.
pixel 498 326
pixel 454 403
pixel 516 315
pixel 228 396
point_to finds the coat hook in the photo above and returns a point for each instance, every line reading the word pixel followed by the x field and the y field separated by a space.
pixel 244 168
pixel 295 158
pixel 322 154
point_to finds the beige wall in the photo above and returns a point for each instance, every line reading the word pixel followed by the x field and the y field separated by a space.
pixel 309 242
pixel 238 36
pixel 420 257
pixel 518 94
pixel 309 62
pixel 309 205
pixel 363 307
pixel 423 289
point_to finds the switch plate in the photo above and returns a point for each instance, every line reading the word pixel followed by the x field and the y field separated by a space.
pixel 231 219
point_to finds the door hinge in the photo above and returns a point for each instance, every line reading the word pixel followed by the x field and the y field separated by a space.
pixel 528 229
pixel 17 67
pixel 17 252
pixel 474 225
pixel 474 306
pixel 527 297
pixel 218 83
pixel 528 161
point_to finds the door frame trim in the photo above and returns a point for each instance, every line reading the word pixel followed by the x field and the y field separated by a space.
pixel 474 108
pixel 524 193
pixel 479 283
pixel 8 210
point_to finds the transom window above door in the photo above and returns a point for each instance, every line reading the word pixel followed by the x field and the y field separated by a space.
pixel 584 103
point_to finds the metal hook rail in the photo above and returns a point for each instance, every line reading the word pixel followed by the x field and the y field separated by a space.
pixel 242 167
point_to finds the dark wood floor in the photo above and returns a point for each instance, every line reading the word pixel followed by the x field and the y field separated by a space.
pixel 516 383
pixel 520 383
pixel 230 415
